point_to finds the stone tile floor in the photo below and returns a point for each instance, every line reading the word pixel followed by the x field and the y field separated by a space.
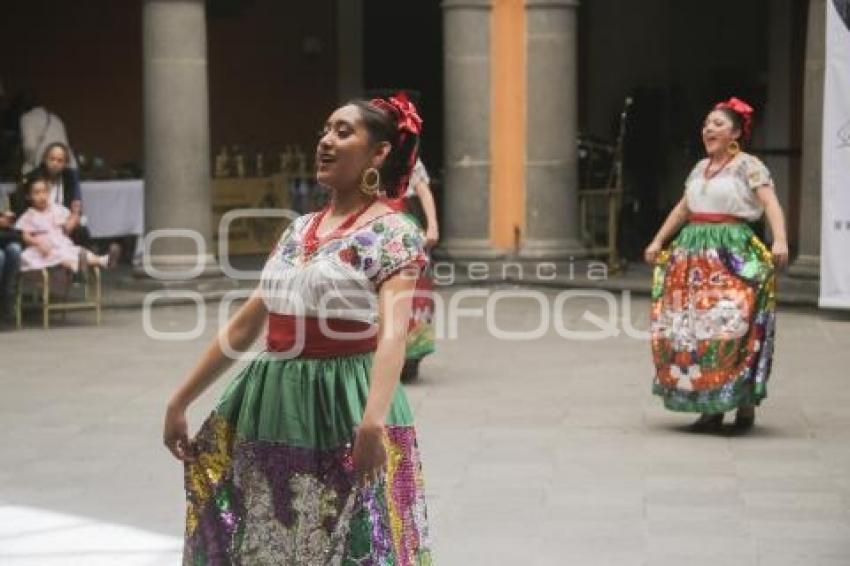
pixel 548 451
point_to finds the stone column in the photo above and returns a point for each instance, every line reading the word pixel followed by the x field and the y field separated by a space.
pixel 807 263
pixel 466 215
pixel 552 228
pixel 177 153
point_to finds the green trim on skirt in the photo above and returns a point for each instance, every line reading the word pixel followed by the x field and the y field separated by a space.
pixel 311 403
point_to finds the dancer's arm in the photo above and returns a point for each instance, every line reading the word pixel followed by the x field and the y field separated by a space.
pixel 776 220
pixel 674 221
pixel 394 308
pixel 426 197
pixel 237 335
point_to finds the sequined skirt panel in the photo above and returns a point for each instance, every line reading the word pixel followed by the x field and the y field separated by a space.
pixel 713 319
pixel 273 480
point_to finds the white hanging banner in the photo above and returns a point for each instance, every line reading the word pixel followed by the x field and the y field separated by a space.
pixel 835 220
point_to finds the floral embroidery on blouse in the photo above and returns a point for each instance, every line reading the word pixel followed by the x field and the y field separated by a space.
pixel 732 190
pixel 756 172
pixel 746 168
pixel 380 248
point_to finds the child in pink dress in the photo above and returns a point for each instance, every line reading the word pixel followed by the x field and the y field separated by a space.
pixel 42 226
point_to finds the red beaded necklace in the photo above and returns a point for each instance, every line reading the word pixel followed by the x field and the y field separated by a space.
pixel 710 175
pixel 311 239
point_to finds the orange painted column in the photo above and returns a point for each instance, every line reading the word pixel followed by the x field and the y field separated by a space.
pixel 507 126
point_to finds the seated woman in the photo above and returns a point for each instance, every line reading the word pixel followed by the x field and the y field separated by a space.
pixel 44 228
pixel 64 189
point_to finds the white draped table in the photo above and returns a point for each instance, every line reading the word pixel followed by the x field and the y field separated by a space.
pixel 111 208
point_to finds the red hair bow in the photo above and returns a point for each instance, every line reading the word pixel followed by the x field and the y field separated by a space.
pixel 741 108
pixel 400 106
pixel 408 123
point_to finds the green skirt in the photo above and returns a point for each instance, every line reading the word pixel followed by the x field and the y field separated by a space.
pixel 713 319
pixel 273 480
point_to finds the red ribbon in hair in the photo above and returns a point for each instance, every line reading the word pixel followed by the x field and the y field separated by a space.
pixel 741 108
pixel 408 122
pixel 402 109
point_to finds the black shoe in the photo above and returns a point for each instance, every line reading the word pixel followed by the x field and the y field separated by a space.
pixel 82 274
pixel 410 371
pixel 114 254
pixel 708 422
pixel 745 418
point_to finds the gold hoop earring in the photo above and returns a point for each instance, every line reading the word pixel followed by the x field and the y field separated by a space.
pixel 734 148
pixel 370 183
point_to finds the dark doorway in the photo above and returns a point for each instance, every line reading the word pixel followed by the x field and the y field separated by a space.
pixel 404 49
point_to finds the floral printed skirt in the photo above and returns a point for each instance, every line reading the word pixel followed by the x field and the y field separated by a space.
pixel 420 332
pixel 713 319
pixel 273 480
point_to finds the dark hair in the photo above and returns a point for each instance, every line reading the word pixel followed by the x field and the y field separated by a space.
pixel 383 128
pixel 736 119
pixel 30 182
pixel 53 145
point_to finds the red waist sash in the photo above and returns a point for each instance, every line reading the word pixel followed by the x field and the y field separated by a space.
pixel 311 337
pixel 712 218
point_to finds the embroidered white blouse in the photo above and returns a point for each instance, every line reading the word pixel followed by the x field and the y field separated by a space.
pixel 731 191
pixel 341 279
